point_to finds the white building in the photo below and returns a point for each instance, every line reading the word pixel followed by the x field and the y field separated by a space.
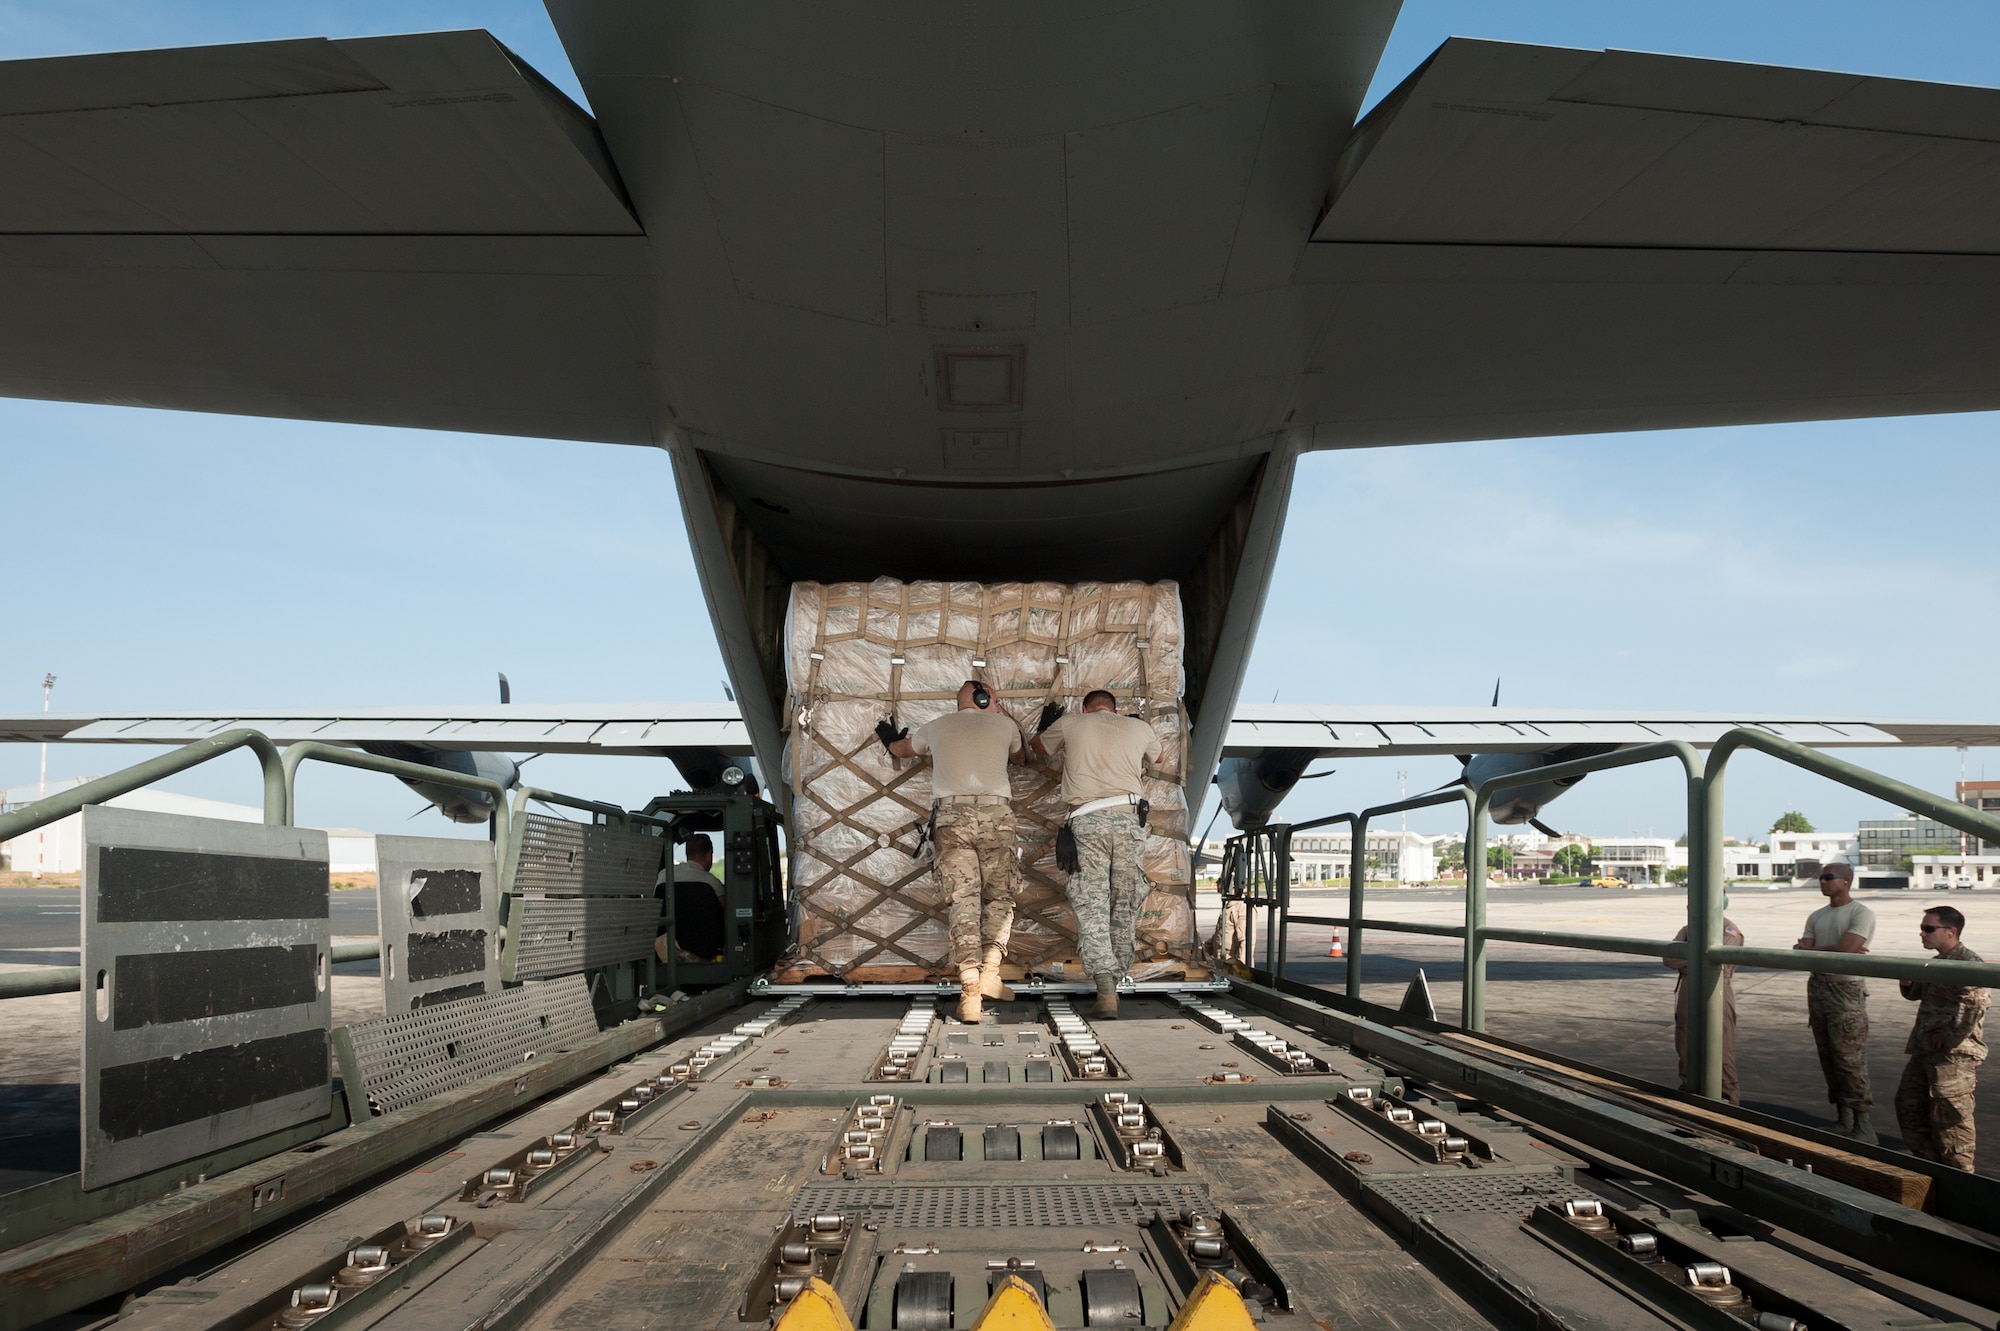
pixel 1938 873
pixel 1637 859
pixel 58 848
pixel 1324 854
pixel 1793 856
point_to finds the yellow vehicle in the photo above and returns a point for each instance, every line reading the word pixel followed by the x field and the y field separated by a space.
pixel 1606 880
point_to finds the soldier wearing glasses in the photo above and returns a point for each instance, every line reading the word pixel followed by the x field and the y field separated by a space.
pixel 1947 1045
pixel 1837 1005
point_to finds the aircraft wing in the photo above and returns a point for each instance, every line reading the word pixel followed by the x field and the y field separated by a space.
pixel 645 729
pixel 1329 730
pixel 1360 732
pixel 412 230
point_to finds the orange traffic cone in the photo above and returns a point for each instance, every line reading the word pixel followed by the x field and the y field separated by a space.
pixel 1333 950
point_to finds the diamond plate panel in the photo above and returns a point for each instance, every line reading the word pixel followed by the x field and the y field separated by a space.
pixel 1472 1194
pixel 402 1059
pixel 565 857
pixel 991 1206
pixel 562 935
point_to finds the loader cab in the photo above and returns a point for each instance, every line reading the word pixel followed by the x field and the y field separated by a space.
pixel 748 864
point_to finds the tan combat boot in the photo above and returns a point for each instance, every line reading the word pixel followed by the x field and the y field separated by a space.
pixel 968 995
pixel 1106 1008
pixel 989 978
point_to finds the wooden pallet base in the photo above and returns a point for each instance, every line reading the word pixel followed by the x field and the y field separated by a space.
pixel 806 972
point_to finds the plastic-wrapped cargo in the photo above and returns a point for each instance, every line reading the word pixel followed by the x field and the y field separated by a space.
pixel 857 652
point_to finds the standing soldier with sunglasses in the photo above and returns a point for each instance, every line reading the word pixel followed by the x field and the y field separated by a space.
pixel 1837 1005
pixel 1947 1045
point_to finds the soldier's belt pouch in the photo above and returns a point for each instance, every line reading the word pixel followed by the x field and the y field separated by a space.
pixel 1066 857
pixel 1144 809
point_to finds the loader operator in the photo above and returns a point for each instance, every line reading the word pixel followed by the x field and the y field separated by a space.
pixel 1103 775
pixel 973 812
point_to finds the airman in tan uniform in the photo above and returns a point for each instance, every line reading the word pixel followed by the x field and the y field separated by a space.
pixel 972 802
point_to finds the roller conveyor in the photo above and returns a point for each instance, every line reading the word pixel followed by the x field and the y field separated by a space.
pixel 1403 1178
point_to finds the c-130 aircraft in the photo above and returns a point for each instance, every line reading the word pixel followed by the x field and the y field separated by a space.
pixel 994 292
pixel 897 303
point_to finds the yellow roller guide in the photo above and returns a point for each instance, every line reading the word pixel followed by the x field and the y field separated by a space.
pixel 1014 1307
pixel 817 1309
pixel 1214 1306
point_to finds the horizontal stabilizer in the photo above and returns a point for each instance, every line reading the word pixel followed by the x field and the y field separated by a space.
pixel 1525 240
pixel 408 230
pixel 1502 144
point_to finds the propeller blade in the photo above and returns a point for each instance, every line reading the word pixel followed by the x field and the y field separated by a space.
pixel 523 762
pixel 1544 828
pixel 420 812
pixel 506 691
pixel 1496 690
pixel 1199 845
pixel 1314 776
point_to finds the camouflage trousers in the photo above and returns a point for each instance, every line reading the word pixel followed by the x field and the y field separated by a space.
pixel 979 873
pixel 1231 939
pixel 1934 1109
pixel 1107 888
pixel 1837 1010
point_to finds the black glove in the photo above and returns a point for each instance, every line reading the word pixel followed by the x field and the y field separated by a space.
pixel 885 730
pixel 1051 714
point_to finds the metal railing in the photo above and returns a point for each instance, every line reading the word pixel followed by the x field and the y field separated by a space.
pixel 277 800
pixel 313 751
pixel 1256 869
pixel 280 772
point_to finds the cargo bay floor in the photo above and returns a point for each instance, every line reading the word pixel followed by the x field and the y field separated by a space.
pixel 907 1194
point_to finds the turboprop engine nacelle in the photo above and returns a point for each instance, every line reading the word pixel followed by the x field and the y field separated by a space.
pixel 1251 788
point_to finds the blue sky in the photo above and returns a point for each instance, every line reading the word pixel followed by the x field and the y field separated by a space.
pixel 172 561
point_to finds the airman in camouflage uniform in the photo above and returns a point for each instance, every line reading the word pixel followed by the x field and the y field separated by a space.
pixel 1231 939
pixel 1104 761
pixel 1946 1047
pixel 1837 1005
pixel 978 866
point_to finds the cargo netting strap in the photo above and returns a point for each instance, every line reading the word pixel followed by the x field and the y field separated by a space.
pixel 1063 648
pixel 899 651
pixel 818 650
pixel 979 657
pixel 842 870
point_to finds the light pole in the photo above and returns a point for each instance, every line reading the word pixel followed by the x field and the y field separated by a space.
pixel 1402 845
pixel 42 781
